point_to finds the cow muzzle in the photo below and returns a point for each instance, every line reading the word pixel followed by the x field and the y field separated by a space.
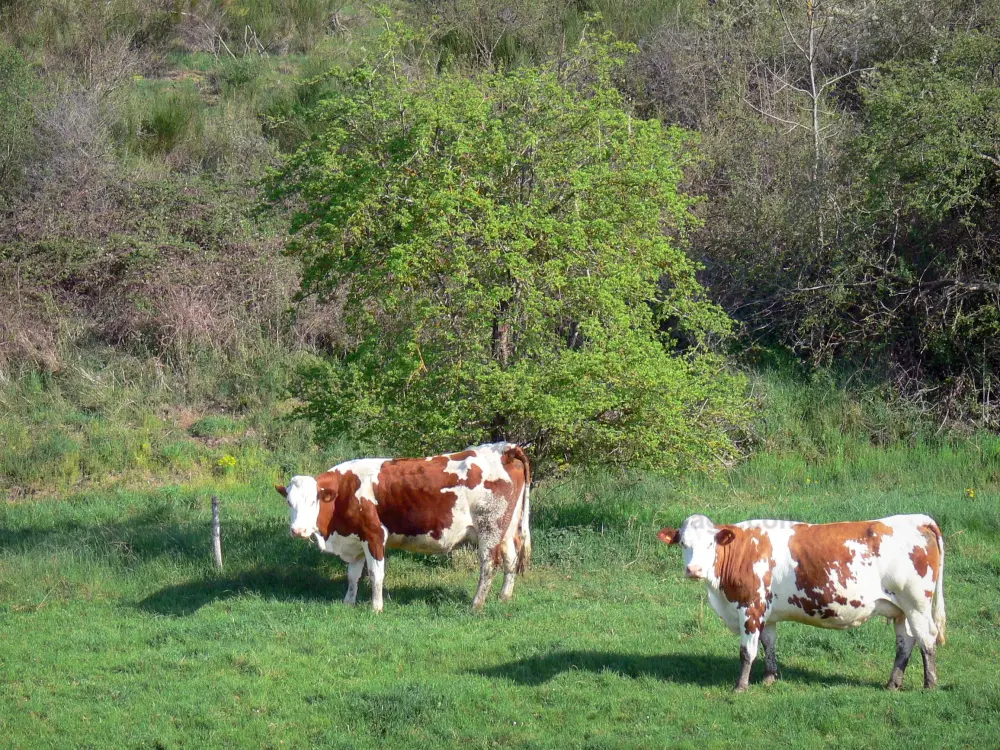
pixel 694 571
pixel 302 533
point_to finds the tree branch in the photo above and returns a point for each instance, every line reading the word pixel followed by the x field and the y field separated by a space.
pixel 791 123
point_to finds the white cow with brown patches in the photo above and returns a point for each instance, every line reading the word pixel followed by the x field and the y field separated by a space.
pixel 360 508
pixel 834 575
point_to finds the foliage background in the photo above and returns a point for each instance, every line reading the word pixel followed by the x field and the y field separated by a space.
pixel 145 293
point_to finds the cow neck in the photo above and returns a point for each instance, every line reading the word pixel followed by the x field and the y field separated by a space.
pixel 734 568
pixel 736 577
pixel 332 486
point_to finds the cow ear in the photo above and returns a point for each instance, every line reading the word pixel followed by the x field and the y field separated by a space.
pixel 325 495
pixel 724 537
pixel 668 535
pixel 281 490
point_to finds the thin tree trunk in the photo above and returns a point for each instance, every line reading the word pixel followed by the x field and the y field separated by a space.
pixel 501 335
pixel 501 346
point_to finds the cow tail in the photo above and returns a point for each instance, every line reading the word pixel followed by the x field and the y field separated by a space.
pixel 938 603
pixel 524 530
pixel 524 555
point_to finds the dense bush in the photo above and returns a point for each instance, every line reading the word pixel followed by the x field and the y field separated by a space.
pixel 926 282
pixel 848 182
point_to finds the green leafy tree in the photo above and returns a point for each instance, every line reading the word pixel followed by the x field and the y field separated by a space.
pixel 506 249
pixel 18 90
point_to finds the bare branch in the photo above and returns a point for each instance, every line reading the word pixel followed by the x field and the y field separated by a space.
pixel 852 71
pixel 995 161
pixel 788 29
pixel 774 117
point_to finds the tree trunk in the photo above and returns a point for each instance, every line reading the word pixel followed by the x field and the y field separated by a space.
pixel 501 350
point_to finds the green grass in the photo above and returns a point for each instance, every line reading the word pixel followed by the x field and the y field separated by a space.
pixel 116 631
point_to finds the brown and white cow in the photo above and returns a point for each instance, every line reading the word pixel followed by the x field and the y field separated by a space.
pixel 833 575
pixel 359 508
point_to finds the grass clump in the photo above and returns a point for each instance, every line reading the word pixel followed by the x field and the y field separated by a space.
pixel 240 77
pixel 157 118
pixel 171 118
pixel 214 426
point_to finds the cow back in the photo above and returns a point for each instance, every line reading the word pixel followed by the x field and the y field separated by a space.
pixel 416 496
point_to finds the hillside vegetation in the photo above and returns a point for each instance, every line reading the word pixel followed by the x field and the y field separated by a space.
pixel 846 214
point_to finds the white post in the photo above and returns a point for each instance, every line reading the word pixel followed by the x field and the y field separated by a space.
pixel 216 533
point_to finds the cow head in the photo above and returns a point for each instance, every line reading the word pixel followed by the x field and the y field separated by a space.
pixel 699 538
pixel 302 495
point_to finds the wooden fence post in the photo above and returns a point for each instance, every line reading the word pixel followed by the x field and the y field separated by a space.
pixel 216 533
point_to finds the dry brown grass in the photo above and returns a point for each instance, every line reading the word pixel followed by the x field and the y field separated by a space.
pixel 33 330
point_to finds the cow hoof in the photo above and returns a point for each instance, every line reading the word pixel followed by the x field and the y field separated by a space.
pixel 506 597
pixel 892 686
pixel 770 679
pixel 930 685
pixel 739 688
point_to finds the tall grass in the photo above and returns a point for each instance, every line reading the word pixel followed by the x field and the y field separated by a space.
pixel 225 416
pixel 122 420
pixel 282 25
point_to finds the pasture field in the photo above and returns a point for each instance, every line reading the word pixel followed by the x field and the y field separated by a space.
pixel 115 630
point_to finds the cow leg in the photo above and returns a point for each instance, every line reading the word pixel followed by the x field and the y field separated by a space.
pixel 354 571
pixel 490 536
pixel 930 666
pixel 376 574
pixel 509 552
pixel 487 566
pixel 748 652
pixel 921 623
pixel 768 639
pixel 904 645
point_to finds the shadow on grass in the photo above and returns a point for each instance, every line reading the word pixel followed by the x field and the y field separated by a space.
pixel 433 596
pixel 283 585
pixel 304 585
pixel 692 669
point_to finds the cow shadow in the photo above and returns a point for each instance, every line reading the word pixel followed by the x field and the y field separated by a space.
pixel 691 669
pixel 278 584
pixel 432 596
pixel 302 585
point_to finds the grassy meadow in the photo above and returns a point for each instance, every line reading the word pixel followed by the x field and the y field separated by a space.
pixel 117 631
